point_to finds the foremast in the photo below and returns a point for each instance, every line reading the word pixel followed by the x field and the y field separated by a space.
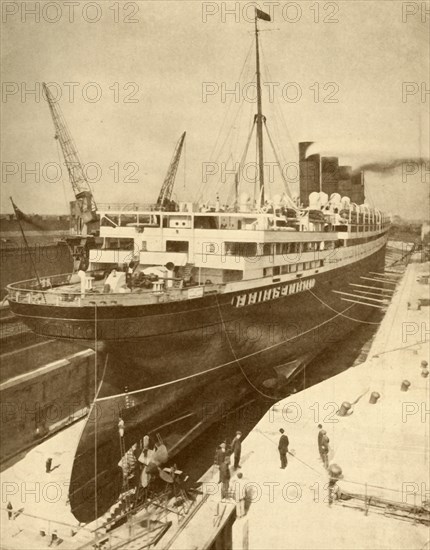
pixel 259 116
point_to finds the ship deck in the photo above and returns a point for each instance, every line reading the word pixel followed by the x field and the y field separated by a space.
pixel 65 290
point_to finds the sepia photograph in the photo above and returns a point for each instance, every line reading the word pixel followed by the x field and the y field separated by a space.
pixel 215 275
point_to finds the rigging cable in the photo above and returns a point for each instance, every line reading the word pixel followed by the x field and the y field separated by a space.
pixel 226 114
pixel 277 108
pixel 251 118
pixel 277 104
pixel 287 188
pixel 203 190
pixel 244 155
pixel 222 126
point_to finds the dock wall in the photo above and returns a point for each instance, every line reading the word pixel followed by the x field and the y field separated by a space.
pixel 39 403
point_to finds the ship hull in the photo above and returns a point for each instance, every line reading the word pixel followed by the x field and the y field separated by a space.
pixel 173 369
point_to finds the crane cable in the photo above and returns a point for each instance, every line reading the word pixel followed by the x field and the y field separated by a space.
pixel 61 172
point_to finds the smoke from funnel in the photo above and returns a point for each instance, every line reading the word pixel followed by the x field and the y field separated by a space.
pixel 388 167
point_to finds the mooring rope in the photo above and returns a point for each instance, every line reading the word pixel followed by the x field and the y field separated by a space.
pixel 235 361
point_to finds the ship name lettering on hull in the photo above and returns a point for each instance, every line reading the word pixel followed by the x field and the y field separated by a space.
pixel 257 296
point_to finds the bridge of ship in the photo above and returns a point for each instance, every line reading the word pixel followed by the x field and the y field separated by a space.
pixel 190 216
pixel 212 238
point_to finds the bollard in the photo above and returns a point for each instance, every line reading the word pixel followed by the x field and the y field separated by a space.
pixel 424 373
pixel 344 408
pixel 374 396
pixel 405 385
pixel 424 364
pixel 335 471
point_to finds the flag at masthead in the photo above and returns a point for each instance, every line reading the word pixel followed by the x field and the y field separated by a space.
pixel 262 15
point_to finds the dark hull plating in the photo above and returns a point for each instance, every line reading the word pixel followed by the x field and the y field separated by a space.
pixel 183 364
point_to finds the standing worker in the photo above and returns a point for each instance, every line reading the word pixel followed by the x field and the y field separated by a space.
pixel 240 496
pixel 129 275
pixel 54 538
pixel 236 447
pixel 220 456
pixel 9 508
pixel 224 472
pixel 283 448
pixel 320 438
pixel 48 465
pixel 325 448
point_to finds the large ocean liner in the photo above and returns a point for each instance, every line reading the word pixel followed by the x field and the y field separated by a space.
pixel 192 306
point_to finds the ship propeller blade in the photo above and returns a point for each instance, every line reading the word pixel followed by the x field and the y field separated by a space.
pixel 144 478
pixel 161 456
pixel 165 476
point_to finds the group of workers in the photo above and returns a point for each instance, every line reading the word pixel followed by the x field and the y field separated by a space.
pixel 222 460
pixel 45 283
pixel 323 447
pixel 223 454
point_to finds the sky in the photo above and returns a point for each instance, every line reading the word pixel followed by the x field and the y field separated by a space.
pixel 351 77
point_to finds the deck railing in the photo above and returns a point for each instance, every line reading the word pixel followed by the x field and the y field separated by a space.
pixel 29 292
pixel 125 207
pixel 401 503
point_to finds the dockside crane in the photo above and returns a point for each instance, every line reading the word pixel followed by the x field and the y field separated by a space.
pixel 86 208
pixel 84 215
pixel 164 201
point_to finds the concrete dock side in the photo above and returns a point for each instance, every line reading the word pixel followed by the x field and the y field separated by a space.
pixel 382 449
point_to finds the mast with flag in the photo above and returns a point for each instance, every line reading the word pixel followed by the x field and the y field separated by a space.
pixel 260 117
